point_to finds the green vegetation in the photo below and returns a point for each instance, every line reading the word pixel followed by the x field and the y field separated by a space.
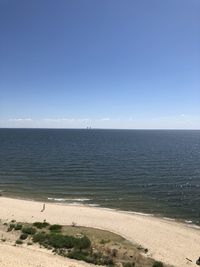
pixel 158 264
pixel 82 243
pixel 11 227
pixel 40 225
pixel 55 228
pixel 129 264
pixel 14 226
pixel 23 236
pixel 56 241
pixel 29 230
pixel 91 245
pixel 95 258
pixel 18 227
pixel 19 242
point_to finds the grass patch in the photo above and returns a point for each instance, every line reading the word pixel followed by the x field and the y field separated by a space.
pixel 11 227
pixel 104 241
pixel 40 225
pixel 18 242
pixel 94 258
pixel 56 241
pixel 29 230
pixel 18 227
pixel 55 228
pixel 91 245
pixel 158 264
pixel 129 264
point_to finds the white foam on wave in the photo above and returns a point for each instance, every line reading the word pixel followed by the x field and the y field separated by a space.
pixel 135 212
pixel 75 204
pixel 68 199
pixel 94 205
pixel 188 221
pixel 169 219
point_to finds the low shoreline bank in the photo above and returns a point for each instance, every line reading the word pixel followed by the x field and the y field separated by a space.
pixel 168 241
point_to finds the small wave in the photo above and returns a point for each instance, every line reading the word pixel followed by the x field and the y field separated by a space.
pixel 69 199
pixel 84 205
pixel 81 199
pixel 136 213
pixel 188 221
pixel 56 199
pixel 169 219
pixel 93 205
pixel 75 204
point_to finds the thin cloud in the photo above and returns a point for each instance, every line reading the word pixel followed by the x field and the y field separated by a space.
pixel 20 119
pixel 105 119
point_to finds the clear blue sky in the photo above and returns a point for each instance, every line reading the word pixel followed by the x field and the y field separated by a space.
pixel 100 63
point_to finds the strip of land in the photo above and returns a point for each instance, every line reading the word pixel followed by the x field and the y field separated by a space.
pixel 167 241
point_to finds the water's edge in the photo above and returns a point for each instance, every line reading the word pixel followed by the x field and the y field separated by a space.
pixel 186 223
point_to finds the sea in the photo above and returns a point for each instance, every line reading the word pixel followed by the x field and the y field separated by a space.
pixel 153 172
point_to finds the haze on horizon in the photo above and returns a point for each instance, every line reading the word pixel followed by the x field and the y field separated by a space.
pixel 132 64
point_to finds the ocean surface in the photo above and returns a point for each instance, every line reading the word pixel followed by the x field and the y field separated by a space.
pixel 149 171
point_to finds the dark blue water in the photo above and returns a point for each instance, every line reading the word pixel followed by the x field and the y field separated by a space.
pixel 148 171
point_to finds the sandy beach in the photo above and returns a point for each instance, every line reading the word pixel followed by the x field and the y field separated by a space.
pixel 168 241
pixel 11 256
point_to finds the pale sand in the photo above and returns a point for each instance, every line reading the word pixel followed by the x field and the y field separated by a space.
pixel 11 256
pixel 168 241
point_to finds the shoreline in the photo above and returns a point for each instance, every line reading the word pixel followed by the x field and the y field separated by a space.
pixel 168 241
pixel 80 203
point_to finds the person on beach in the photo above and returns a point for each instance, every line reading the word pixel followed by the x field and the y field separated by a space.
pixel 43 208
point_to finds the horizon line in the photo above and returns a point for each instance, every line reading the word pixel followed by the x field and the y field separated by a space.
pixel 90 129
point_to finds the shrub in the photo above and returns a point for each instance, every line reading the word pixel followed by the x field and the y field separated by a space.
pixel 11 227
pixel 29 243
pixel 23 236
pixel 77 255
pixel 129 264
pixel 29 230
pixel 61 241
pixel 39 238
pixel 82 243
pixel 55 240
pixel 55 228
pixel 18 227
pixel 95 258
pixel 158 264
pixel 40 225
pixel 19 242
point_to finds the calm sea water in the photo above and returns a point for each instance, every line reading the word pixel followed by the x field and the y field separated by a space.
pixel 137 170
